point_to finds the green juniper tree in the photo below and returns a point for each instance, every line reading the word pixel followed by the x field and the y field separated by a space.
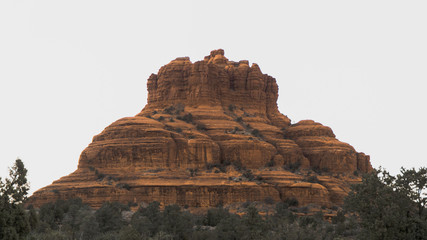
pixel 109 217
pixel 14 222
pixel 147 221
pixel 413 184
pixel 176 223
pixel 390 207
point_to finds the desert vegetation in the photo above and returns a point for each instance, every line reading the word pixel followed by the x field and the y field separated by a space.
pixel 381 207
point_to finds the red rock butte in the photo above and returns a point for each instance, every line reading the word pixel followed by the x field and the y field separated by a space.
pixel 211 133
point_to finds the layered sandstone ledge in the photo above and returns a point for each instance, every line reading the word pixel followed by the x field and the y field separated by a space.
pixel 211 134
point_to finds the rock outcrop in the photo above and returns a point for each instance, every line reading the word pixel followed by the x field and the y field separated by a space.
pixel 211 133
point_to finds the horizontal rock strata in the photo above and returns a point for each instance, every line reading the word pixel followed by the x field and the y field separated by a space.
pixel 211 133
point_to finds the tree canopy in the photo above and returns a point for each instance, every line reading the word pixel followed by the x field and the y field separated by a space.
pixel 382 206
pixel 391 207
pixel 14 222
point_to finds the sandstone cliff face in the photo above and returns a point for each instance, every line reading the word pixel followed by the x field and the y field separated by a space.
pixel 211 133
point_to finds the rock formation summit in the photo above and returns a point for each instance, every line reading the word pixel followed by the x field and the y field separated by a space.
pixel 211 133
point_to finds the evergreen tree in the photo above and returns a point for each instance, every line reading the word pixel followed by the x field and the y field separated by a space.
pixel 413 184
pixel 256 228
pixel 129 233
pixel 176 223
pixel 13 219
pixel 386 207
pixel 109 217
pixel 147 221
pixel 230 228
pixel 33 218
pixel 215 215
pixel 88 228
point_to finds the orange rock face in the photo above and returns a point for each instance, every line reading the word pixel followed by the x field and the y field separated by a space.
pixel 210 134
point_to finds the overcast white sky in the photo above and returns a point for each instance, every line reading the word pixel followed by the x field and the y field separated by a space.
pixel 70 68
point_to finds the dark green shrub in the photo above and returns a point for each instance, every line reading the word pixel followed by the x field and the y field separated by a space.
pixel 230 228
pixel 221 167
pixel 270 163
pixel 176 222
pixel 147 221
pixel 237 165
pixel 129 233
pixel 169 110
pixel 209 166
pixel 321 170
pixel 215 215
pixel 291 202
pixel 246 204
pixel 201 127
pixel 123 186
pixel 193 171
pixel 283 212
pixel 301 209
pixel 107 236
pixel 312 179
pixel 109 216
pixel 112 178
pixel 204 234
pixel 256 227
pixel 305 221
pixel 100 176
pixel 188 118
pixel 48 235
pixel 293 166
pixel 269 200
pixel 249 175
pixel 88 228
pixel 231 108
pixel 256 133
pixel 52 213
pixel 339 218
pixel 65 213
pixel 33 218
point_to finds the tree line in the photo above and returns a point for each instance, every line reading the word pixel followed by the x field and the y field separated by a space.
pixel 381 207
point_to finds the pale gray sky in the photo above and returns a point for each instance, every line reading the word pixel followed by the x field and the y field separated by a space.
pixel 70 68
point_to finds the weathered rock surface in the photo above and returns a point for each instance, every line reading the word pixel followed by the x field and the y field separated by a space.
pixel 211 133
